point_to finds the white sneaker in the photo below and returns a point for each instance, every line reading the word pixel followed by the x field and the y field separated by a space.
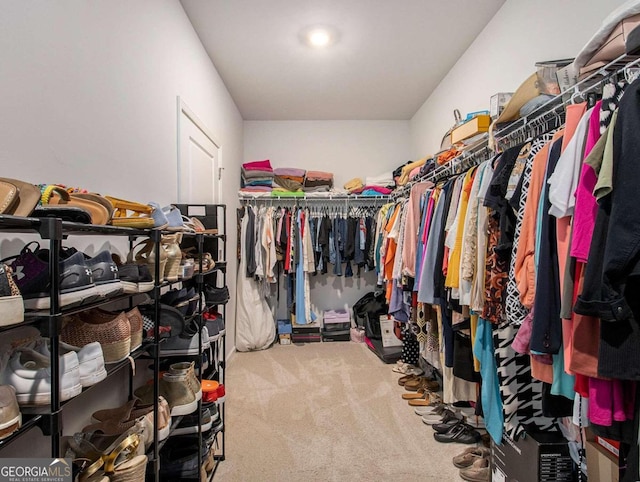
pixel 30 374
pixel 90 358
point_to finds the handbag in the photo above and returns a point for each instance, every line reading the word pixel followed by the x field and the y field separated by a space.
pixel 612 48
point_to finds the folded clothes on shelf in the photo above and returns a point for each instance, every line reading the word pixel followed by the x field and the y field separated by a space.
pixel 264 165
pixel 372 191
pixel 384 180
pixel 289 172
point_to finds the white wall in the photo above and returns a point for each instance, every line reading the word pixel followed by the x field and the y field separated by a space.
pixel 503 56
pixel 89 92
pixel 348 149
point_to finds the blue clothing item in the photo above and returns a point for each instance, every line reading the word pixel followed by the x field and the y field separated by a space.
pixel 337 235
pixel 332 248
pixel 563 383
pixel 358 257
pixel 490 388
pixel 427 280
pixel 397 307
pixel 420 248
pixel 301 317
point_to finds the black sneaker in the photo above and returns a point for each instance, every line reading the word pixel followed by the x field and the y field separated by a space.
pixel 179 458
pixel 184 300
pixel 216 420
pixel 135 278
pixel 31 274
pixel 189 423
pixel 104 271
pixel 216 296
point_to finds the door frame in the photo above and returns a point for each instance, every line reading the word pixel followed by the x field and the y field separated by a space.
pixel 183 108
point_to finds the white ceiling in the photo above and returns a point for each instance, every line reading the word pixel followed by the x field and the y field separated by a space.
pixel 390 55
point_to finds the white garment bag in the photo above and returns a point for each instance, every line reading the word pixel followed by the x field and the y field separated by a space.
pixel 255 324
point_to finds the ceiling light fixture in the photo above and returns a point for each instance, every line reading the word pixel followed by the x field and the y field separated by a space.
pixel 318 37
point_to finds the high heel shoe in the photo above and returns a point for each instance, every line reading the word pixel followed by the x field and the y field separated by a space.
pixel 171 243
pixel 147 255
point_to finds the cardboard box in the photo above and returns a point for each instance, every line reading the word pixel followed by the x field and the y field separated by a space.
pixel 602 466
pixel 470 128
pixel 498 102
pixel 612 446
pixel 535 457
pixel 285 338
pixel 284 327
pixel 389 337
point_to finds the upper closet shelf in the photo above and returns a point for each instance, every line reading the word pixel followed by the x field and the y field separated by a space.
pixel 323 198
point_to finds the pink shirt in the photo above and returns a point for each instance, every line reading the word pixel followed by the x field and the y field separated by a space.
pixel 584 216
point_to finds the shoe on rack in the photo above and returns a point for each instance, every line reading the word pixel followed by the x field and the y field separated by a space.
pixel 184 300
pixel 175 389
pixel 189 424
pixel 111 330
pixel 469 456
pixel 135 278
pixel 90 359
pixel 216 296
pixel 188 369
pixel 478 472
pixel 187 343
pixel 29 372
pixel 135 324
pixel 171 243
pixel 118 456
pixel 11 302
pixel 460 434
pixel 215 324
pixel 179 458
pixel 216 419
pixel 105 274
pixel 116 421
pixel 144 253
pixel 10 416
pixel 31 275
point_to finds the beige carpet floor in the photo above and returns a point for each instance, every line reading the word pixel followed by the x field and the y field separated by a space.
pixel 325 412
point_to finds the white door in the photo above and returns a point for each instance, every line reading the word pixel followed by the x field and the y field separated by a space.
pixel 198 160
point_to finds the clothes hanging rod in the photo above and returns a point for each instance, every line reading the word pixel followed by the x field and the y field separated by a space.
pixel 336 197
pixel 549 108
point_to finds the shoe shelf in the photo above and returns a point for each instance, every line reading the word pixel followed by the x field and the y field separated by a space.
pixel 48 418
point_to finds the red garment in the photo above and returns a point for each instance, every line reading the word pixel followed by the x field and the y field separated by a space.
pixel 258 166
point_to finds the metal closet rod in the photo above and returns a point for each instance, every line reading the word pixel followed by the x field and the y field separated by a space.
pixel 549 108
pixel 336 198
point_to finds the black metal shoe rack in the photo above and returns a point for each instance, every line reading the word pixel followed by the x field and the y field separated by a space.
pixel 54 230
pixel 49 419
pixel 212 216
